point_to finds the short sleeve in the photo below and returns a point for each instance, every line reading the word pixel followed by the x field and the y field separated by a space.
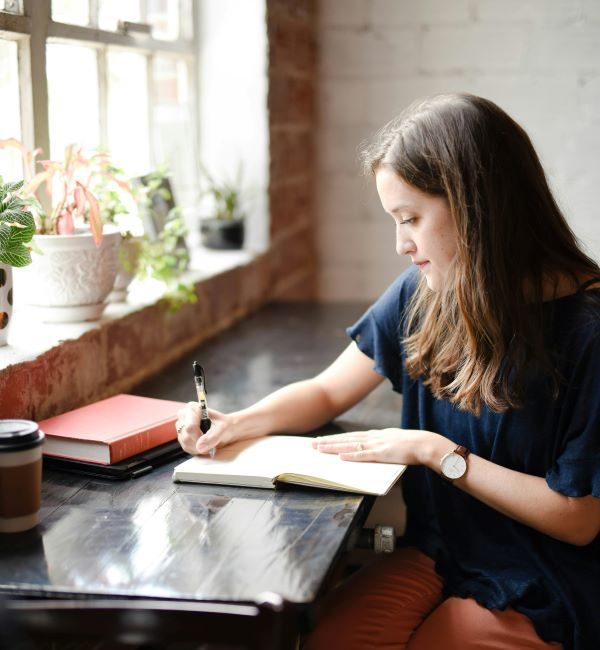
pixel 377 332
pixel 576 470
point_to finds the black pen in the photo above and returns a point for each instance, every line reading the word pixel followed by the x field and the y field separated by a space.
pixel 200 381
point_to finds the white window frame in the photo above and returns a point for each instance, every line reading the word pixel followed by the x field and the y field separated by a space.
pixel 34 28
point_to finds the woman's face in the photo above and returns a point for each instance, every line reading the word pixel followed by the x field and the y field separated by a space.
pixel 424 226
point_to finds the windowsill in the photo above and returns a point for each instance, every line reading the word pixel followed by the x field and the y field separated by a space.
pixel 29 338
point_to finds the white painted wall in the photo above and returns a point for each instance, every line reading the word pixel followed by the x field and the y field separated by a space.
pixel 538 59
pixel 233 102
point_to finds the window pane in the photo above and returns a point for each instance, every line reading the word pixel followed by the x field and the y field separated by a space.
pixel 111 11
pixel 11 167
pixel 74 12
pixel 163 15
pixel 72 98
pixel 186 21
pixel 174 140
pixel 128 130
pixel 12 6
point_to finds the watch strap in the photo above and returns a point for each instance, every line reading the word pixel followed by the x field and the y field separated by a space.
pixel 462 451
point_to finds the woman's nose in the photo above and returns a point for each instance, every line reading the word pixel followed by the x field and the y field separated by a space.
pixel 404 245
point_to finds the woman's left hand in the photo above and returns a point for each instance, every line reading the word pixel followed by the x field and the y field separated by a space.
pixel 402 446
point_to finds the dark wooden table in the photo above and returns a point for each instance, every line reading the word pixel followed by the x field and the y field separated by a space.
pixel 152 538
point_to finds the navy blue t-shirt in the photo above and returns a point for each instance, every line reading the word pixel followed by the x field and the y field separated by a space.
pixel 479 552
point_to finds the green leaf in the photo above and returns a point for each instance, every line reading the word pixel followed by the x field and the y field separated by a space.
pixel 16 257
pixel 10 215
pixel 17 227
pixel 11 188
pixel 12 203
pixel 21 224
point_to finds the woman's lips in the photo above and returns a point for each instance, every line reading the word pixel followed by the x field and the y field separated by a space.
pixel 421 265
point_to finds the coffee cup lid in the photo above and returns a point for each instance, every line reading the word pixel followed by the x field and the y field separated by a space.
pixel 19 434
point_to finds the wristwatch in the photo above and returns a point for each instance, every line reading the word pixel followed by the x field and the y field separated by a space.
pixel 454 464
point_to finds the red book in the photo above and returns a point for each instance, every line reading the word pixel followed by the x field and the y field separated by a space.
pixel 111 430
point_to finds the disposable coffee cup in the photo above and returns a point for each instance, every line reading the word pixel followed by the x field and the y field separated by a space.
pixel 20 475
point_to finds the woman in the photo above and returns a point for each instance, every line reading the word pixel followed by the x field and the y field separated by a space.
pixel 493 338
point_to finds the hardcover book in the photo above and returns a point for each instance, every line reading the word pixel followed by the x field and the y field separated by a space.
pixel 112 429
pixel 262 462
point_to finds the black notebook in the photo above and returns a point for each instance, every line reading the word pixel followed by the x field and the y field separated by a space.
pixel 126 469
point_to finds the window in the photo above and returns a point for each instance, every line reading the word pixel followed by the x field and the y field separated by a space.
pixel 10 123
pixel 118 74
pixel 72 121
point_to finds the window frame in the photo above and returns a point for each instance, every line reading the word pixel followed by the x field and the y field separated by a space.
pixel 34 28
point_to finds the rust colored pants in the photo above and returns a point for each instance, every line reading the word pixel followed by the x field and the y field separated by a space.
pixel 397 603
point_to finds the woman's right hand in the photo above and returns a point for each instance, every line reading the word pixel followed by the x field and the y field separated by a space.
pixel 221 433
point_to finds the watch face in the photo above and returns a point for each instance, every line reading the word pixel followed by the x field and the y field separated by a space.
pixel 453 465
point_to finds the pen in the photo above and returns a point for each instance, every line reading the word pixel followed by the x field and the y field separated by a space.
pixel 200 381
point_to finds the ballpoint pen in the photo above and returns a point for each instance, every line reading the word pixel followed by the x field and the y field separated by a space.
pixel 200 381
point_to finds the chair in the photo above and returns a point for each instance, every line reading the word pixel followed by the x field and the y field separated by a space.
pixel 154 623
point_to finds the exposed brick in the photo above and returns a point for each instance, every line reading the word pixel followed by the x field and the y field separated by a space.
pixel 290 205
pixel 255 287
pixel 58 380
pixel 291 154
pixel 291 100
pixel 303 9
pixel 291 255
pixel 16 389
pixel 135 340
pixel 292 44
pixel 78 372
pixel 176 326
pixel 291 27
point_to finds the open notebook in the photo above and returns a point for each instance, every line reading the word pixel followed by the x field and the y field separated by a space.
pixel 290 459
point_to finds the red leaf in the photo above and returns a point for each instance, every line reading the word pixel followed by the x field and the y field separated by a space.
pixel 79 196
pixel 95 221
pixel 65 223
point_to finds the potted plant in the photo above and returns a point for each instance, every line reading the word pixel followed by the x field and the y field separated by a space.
pixel 17 227
pixel 73 276
pixel 224 227
pixel 119 207
pixel 163 260
pixel 163 256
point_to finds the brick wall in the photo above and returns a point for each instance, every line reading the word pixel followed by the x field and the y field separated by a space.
pixel 538 59
pixel 291 28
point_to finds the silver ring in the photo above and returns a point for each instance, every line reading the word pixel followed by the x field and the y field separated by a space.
pixel 359 446
pixel 179 428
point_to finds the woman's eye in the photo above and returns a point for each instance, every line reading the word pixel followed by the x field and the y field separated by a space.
pixel 404 222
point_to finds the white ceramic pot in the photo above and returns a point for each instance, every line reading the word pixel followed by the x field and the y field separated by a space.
pixel 72 279
pixel 6 301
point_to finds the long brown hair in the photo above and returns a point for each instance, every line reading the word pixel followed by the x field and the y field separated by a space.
pixel 477 339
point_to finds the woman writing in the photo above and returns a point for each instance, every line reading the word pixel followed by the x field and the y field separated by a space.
pixel 493 339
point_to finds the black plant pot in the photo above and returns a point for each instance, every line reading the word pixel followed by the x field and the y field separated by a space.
pixel 222 233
